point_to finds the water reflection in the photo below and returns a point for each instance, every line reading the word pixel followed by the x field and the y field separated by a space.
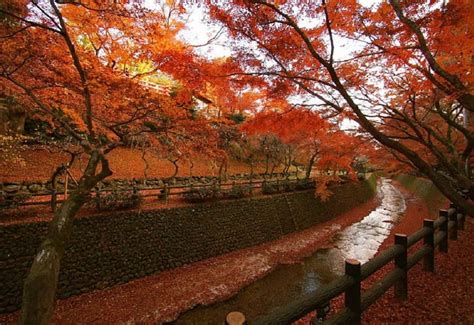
pixel 360 240
pixel 275 289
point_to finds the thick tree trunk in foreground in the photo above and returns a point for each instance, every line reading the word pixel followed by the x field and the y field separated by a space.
pixel 39 291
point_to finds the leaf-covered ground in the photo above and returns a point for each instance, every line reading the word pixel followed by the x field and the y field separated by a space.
pixel 39 164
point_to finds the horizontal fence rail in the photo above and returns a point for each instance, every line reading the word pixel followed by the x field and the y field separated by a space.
pixel 165 191
pixel 434 234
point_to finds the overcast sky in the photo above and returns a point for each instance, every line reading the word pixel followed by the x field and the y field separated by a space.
pixel 198 31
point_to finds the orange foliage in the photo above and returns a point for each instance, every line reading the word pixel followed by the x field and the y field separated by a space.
pixel 309 134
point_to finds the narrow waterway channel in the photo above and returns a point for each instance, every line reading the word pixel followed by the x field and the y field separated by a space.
pixel 360 240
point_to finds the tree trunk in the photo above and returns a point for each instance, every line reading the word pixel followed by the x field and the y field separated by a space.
pixel 310 166
pixel 222 170
pixel 288 165
pixel 145 170
pixel 251 178
pixel 191 166
pixel 39 291
pixel 272 170
pixel 176 167
pixel 287 168
pixel 267 164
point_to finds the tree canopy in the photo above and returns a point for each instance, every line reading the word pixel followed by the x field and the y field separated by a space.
pixel 393 68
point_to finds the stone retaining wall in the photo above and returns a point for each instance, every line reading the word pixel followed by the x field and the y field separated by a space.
pixel 109 250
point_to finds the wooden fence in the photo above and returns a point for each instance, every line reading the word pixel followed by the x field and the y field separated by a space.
pixel 434 233
pixel 162 191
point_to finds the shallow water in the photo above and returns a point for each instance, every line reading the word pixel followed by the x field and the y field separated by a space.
pixel 360 240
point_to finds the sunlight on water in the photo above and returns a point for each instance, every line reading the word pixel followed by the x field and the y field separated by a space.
pixel 361 240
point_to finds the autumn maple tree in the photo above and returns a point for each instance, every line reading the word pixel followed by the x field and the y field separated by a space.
pixel 401 69
pixel 74 65
pixel 307 138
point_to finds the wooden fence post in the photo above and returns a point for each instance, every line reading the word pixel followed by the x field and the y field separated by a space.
pixel 401 286
pixel 54 199
pixel 454 231
pixel 443 245
pixel 352 299
pixel 461 219
pixel 98 202
pixel 235 318
pixel 428 260
pixel 166 193
pixel 66 181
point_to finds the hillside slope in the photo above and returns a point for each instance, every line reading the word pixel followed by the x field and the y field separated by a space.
pixel 39 164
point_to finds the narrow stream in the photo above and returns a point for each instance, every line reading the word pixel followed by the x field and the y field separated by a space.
pixel 360 241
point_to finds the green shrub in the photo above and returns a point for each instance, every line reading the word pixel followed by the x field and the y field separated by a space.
pixel 118 200
pixel 238 191
pixel 269 188
pixel 202 194
pixel 287 186
pixel 304 184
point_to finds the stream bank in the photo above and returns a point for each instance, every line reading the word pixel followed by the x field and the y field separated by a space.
pixel 360 240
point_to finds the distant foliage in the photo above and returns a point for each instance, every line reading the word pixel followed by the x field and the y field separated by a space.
pixel 287 185
pixel 11 148
pixel 305 184
pixel 237 118
pixel 323 185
